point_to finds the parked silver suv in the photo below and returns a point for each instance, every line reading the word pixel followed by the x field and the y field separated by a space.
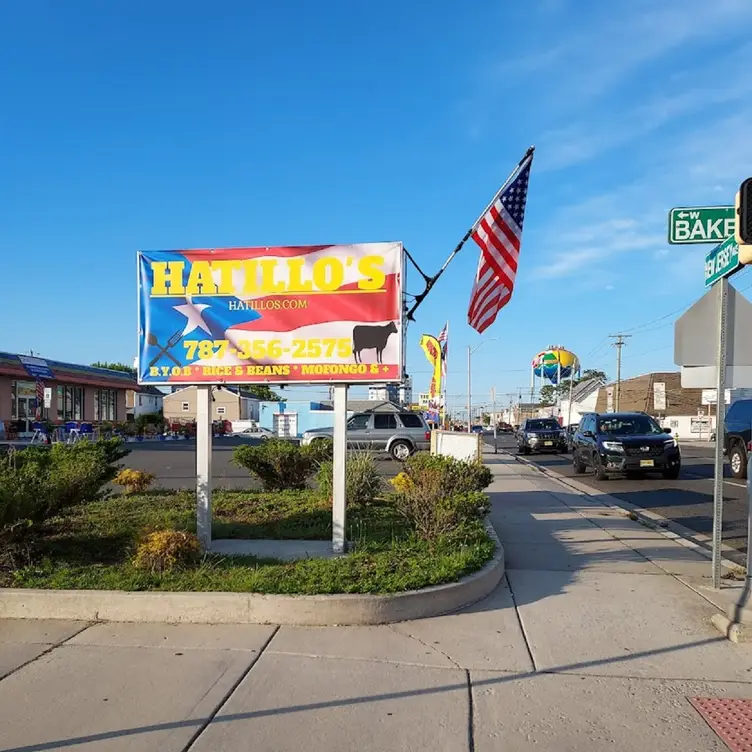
pixel 400 434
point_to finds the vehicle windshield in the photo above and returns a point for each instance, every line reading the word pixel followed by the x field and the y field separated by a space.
pixel 629 425
pixel 542 425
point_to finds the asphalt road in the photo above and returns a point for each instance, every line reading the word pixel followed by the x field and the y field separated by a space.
pixel 174 463
pixel 688 500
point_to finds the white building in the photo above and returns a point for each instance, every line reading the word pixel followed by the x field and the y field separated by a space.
pixel 148 400
pixel 584 399
pixel 401 394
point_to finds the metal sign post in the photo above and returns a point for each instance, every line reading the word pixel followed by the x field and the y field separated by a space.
pixel 203 465
pixel 722 293
pixel 493 413
pixel 339 506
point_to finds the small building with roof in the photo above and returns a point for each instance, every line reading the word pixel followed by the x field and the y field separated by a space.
pixel 72 392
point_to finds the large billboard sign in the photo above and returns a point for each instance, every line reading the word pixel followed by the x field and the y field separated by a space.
pixel 327 313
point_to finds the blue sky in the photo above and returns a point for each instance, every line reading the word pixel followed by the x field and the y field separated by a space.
pixel 185 124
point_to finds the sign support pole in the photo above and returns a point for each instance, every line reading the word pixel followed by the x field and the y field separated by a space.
pixel 203 465
pixel 339 502
pixel 722 293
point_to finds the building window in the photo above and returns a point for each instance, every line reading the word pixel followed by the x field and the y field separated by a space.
pixel 105 404
pixel 140 400
pixel 70 403
pixel 221 410
pixel 186 406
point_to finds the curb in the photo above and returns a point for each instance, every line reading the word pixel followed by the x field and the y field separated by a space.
pixel 254 608
pixel 674 531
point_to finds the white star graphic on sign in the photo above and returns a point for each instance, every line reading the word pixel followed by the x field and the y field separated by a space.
pixel 192 312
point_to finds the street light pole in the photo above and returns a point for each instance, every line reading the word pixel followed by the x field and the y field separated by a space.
pixel 469 391
pixel 470 351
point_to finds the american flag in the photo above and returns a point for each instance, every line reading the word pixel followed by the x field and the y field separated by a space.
pixel 444 342
pixel 499 235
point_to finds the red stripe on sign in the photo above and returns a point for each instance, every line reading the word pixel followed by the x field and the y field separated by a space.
pixel 234 254
pixel 327 307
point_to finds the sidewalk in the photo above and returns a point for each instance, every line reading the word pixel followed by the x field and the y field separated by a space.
pixel 596 639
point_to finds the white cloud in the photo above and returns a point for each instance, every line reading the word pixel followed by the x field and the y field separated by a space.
pixel 716 86
pixel 618 39
pixel 593 245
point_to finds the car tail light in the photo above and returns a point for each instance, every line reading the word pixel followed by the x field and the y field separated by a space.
pixel 428 436
pixel 749 446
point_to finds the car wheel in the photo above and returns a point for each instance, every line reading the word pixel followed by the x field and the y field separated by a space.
pixel 400 450
pixel 672 474
pixel 598 469
pixel 577 465
pixel 738 461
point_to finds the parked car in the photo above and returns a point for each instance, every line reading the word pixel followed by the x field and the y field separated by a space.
pixel 570 431
pixel 253 432
pixel 400 434
pixel 737 434
pixel 541 435
pixel 624 443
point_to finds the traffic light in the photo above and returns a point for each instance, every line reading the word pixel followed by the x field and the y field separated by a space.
pixel 744 221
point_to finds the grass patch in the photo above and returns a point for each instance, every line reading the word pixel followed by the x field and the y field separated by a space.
pixel 92 547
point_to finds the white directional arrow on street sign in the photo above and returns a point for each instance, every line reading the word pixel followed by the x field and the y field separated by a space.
pixel 701 224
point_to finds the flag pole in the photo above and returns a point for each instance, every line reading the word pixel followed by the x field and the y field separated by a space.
pixel 432 280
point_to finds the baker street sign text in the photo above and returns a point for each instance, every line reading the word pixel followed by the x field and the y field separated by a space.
pixel 701 224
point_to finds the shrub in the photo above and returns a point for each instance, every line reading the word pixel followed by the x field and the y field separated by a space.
pixel 402 482
pixel 134 481
pixel 455 476
pixel 362 481
pixel 165 550
pixel 437 495
pixel 37 483
pixel 280 464
pixel 321 450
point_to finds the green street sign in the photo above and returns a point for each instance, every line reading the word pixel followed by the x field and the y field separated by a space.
pixel 701 224
pixel 722 261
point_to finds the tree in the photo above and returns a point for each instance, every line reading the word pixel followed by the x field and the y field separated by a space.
pixel 115 367
pixel 547 395
pixel 261 392
pixel 592 373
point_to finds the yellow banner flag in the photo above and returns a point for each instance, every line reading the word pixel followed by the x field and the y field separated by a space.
pixel 430 346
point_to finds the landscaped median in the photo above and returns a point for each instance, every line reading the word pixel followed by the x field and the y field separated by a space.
pixel 419 547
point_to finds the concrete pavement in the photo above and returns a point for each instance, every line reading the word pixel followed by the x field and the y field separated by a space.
pixel 687 500
pixel 596 639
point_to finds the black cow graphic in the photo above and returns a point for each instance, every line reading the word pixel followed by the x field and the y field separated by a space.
pixel 370 338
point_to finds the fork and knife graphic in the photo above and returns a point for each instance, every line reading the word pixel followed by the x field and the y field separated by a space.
pixel 152 340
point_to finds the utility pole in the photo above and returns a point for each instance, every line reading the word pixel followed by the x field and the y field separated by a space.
pixel 618 344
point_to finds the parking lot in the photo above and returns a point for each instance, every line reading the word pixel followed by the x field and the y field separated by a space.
pixel 174 463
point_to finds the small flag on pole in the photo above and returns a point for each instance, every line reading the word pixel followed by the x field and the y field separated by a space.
pixel 498 233
pixel 444 342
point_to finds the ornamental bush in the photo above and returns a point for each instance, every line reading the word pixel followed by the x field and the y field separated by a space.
pixel 437 495
pixel 452 475
pixel 362 481
pixel 38 482
pixel 134 481
pixel 281 464
pixel 164 550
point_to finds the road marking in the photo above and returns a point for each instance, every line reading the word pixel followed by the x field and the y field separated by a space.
pixel 725 480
